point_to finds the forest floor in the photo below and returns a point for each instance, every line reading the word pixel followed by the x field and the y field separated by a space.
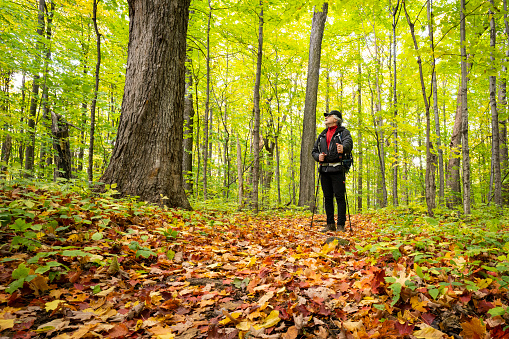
pixel 74 266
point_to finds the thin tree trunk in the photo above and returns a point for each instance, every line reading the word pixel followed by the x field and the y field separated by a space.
pixel 430 156
pixel 205 145
pixel 453 168
pixel 256 112
pixel 495 148
pixel 464 113
pixel 395 103
pixel 90 170
pixel 307 163
pixel 7 142
pixel 359 136
pixel 382 186
pixel 435 105
pixel 504 161
pixel 240 179
pixel 46 119
pixel 30 149
pixel 21 150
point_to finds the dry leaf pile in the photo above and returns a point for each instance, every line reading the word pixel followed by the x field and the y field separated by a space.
pixel 95 269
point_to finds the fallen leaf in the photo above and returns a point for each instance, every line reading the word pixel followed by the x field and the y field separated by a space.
pixel 6 324
pixel 291 333
pixel 428 332
pixel 473 329
pixel 52 305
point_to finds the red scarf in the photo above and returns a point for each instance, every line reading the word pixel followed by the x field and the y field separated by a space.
pixel 330 133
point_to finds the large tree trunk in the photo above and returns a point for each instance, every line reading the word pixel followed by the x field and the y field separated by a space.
pixel 256 111
pixel 147 157
pixel 90 169
pixel 430 156
pixel 435 105
pixel 187 160
pixel 464 113
pixel 495 148
pixel 307 163
pixel 30 149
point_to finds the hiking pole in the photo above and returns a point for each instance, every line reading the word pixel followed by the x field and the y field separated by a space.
pixel 314 204
pixel 347 205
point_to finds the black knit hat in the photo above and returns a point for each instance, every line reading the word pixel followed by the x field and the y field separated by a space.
pixel 334 112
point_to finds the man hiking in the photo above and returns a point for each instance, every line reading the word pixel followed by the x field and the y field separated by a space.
pixel 329 150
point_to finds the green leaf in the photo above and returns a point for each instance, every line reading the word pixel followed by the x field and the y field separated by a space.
pixel 145 253
pixel 418 271
pixel 96 289
pixel 21 272
pixel 496 311
pixel 20 225
pixel 170 254
pixel 97 236
pixel 16 284
pixel 433 292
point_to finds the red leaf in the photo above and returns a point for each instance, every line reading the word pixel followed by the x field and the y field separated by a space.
pixel 428 318
pixel 404 329
pixel 484 306
pixel 465 298
pixel 118 331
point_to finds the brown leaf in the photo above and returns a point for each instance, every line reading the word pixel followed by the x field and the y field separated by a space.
pixel 473 329
pixel 291 333
pixel 120 330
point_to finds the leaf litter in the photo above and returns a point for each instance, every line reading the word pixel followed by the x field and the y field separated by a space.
pixel 75 267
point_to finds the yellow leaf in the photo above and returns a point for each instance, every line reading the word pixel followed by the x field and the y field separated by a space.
pixel 418 305
pixel 271 320
pixel 106 292
pixel 227 320
pixel 252 262
pixel 244 325
pixel 428 332
pixel 52 305
pixel 74 238
pixel 483 283
pixel 6 323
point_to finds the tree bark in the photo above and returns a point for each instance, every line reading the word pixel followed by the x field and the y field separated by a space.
pixel 504 162
pixel 147 157
pixel 30 149
pixel 256 112
pixel 495 148
pixel 60 131
pixel 359 136
pixel 441 191
pixel 46 118
pixel 430 156
pixel 205 145
pixel 187 159
pixel 453 168
pixel 464 113
pixel 90 169
pixel 240 178
pixel 395 103
pixel 307 163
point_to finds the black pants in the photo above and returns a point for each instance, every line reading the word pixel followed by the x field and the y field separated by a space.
pixel 333 185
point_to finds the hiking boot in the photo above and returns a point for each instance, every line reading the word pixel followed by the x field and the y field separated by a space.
pixel 329 227
pixel 341 228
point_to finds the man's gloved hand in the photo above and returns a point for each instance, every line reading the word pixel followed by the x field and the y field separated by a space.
pixel 340 148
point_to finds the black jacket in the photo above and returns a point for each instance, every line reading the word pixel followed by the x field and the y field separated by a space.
pixel 341 136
